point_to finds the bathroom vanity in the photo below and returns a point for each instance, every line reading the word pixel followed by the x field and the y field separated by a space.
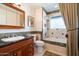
pixel 23 47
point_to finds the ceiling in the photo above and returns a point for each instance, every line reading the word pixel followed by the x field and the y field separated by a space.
pixel 48 7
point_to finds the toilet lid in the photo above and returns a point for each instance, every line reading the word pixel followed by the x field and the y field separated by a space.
pixel 39 42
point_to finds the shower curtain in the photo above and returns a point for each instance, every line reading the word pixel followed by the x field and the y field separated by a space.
pixel 69 12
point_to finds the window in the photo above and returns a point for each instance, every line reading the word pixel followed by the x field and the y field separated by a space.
pixel 57 23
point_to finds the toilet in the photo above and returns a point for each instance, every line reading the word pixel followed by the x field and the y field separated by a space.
pixel 38 44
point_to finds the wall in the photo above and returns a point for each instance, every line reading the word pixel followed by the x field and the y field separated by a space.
pixel 39 15
pixel 38 20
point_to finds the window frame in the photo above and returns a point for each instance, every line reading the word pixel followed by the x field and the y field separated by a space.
pixel 55 27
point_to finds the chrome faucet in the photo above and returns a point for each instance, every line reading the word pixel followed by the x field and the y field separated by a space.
pixel 14 35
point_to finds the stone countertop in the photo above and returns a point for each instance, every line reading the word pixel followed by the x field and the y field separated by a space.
pixel 3 44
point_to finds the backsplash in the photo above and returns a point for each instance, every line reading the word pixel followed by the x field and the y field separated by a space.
pixel 5 35
pixel 56 33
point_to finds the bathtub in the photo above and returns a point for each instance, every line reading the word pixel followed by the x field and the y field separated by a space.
pixel 59 40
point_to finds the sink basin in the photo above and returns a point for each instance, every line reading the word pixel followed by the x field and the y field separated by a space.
pixel 13 39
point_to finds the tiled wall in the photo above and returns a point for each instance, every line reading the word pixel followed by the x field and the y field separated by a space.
pixel 56 33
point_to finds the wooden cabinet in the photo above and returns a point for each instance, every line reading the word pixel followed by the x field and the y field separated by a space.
pixel 22 48
pixel 11 17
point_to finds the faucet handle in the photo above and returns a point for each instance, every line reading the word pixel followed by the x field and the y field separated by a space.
pixel 5 36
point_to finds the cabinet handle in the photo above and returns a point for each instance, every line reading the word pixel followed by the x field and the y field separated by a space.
pixel 15 54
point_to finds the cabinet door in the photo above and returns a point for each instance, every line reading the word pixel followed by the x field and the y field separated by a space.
pixel 22 22
pixel 11 16
pixel 18 20
pixel 2 14
pixel 31 50
pixel 28 50
pixel 17 52
pixel 24 51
